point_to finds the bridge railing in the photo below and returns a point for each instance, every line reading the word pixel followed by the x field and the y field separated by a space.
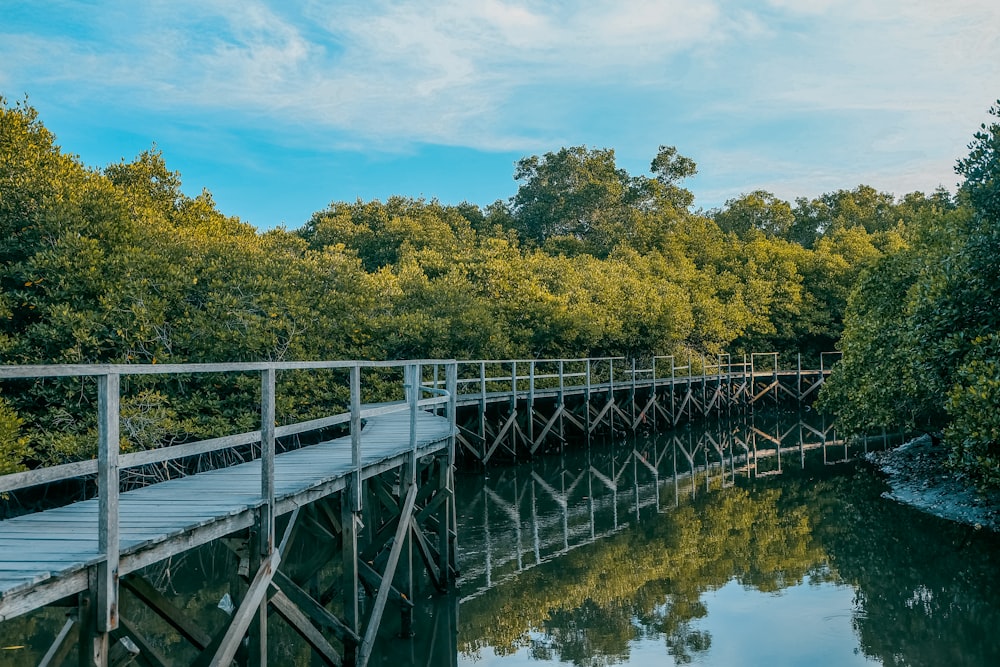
pixel 489 378
pixel 110 462
pixel 109 377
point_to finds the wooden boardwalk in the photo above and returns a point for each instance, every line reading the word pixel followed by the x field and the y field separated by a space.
pixel 384 493
pixel 394 468
pixel 45 556
pixel 514 408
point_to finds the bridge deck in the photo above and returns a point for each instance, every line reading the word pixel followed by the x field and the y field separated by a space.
pixel 45 556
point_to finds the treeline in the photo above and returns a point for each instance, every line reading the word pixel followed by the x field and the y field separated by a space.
pixel 922 341
pixel 119 265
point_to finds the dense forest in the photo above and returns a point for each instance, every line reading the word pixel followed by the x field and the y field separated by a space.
pixel 117 264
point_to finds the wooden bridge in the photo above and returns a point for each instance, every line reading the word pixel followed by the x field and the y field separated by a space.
pixel 382 492
pixel 514 408
pixel 518 521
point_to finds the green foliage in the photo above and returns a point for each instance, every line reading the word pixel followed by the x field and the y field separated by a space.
pixel 920 340
pixel 654 575
pixel 14 446
pixel 121 266
pixel 974 425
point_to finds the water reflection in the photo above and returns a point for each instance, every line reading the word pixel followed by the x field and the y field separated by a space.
pixel 626 551
pixel 744 543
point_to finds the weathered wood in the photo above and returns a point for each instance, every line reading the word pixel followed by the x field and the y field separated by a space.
pixel 123 652
pixel 300 623
pixel 60 646
pixel 167 610
pixel 349 574
pixel 106 598
pixel 312 608
pixel 364 651
pixel 148 653
pixel 243 616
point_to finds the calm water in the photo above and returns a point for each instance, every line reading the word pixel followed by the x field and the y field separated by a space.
pixel 705 547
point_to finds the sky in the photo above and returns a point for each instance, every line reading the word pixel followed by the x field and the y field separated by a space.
pixel 280 107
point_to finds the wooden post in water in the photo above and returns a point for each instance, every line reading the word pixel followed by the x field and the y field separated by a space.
pixel 350 508
pixel 264 531
pixel 99 608
pixel 407 479
pixel 531 403
pixel 482 408
pixel 513 407
pixel 448 513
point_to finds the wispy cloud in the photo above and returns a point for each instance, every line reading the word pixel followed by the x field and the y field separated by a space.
pixel 899 82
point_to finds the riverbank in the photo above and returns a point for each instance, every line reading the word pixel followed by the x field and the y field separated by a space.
pixel 917 476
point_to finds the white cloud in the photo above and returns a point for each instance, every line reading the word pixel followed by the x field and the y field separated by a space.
pixel 524 76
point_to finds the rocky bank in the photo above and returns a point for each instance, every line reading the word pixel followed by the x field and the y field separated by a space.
pixel 917 476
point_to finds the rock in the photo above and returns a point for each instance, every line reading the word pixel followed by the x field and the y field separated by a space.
pixel 913 472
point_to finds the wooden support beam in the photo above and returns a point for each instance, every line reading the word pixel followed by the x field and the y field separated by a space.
pixel 315 610
pixel 148 653
pixel 92 646
pixel 511 420
pixel 553 420
pixel 374 580
pixel 60 647
pixel 600 415
pixel 573 419
pixel 123 652
pixel 349 561
pixel 642 413
pixel 428 555
pixel 300 623
pixel 364 651
pixel 243 616
pixel 167 610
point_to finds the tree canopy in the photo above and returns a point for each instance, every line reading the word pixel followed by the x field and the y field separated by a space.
pixel 118 264
pixel 922 332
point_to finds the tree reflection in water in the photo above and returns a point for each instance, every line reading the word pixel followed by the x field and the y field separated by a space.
pixel 707 509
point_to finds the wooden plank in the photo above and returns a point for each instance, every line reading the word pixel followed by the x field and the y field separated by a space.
pixel 300 623
pixel 314 610
pixel 243 616
pixel 154 525
pixel 364 650
pixel 167 610
pixel 148 652
pixel 60 646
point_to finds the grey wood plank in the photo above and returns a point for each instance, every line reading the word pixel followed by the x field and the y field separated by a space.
pixel 166 518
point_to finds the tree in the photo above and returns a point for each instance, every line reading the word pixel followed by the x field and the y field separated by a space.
pixel 577 200
pixel 863 206
pixel 922 329
pixel 756 212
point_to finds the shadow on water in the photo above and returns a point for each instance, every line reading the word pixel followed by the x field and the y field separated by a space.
pixel 758 540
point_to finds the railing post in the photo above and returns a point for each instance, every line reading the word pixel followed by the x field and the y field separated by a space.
pixel 413 383
pixel 355 500
pixel 611 394
pixel 267 414
pixel 798 378
pixel 562 401
pixel 447 519
pixel 531 404
pixel 108 401
pixel 587 397
pixel 482 406
pixel 513 405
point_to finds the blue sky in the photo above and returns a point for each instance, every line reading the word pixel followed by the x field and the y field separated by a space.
pixel 279 107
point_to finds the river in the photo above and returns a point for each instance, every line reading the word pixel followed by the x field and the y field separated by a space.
pixel 709 545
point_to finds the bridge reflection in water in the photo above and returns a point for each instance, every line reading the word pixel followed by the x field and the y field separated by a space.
pixel 521 516
pixel 739 542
